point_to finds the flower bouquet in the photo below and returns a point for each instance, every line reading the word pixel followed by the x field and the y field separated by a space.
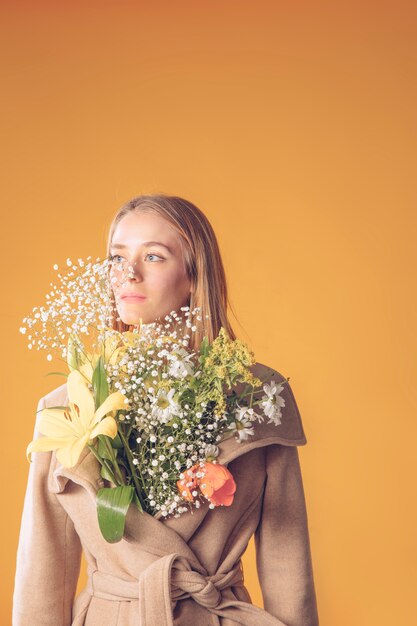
pixel 150 409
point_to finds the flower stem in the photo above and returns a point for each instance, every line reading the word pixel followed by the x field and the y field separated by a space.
pixel 103 462
pixel 110 450
pixel 132 468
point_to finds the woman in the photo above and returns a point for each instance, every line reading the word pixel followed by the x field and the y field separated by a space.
pixel 187 570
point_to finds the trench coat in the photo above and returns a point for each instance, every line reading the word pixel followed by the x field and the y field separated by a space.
pixel 168 571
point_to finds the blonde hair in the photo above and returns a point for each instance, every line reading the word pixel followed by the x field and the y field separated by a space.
pixel 202 261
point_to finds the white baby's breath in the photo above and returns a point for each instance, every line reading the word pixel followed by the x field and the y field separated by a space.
pixel 176 411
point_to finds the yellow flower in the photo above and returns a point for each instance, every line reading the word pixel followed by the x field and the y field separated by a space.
pixel 69 431
pixel 112 349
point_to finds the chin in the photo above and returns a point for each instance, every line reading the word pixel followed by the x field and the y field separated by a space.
pixel 134 319
pixel 130 319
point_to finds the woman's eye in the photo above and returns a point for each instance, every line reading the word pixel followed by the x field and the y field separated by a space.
pixel 156 255
pixel 118 259
pixel 115 260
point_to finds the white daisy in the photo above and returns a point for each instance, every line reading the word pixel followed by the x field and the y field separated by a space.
pixel 242 429
pixel 165 407
pixel 211 452
pixel 181 364
pixel 272 402
pixel 242 426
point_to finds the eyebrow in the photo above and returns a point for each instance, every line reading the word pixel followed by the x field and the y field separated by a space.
pixel 121 246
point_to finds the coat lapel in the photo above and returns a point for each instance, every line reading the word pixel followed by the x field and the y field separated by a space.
pixel 85 473
pixel 289 432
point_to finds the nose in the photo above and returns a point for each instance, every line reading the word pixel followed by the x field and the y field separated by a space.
pixel 133 273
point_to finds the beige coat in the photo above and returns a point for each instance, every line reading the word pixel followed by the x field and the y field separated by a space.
pixel 183 571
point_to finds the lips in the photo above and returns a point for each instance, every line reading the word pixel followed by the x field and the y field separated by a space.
pixel 133 299
pixel 138 296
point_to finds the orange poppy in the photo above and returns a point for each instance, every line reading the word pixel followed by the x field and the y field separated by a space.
pixel 217 484
pixel 188 484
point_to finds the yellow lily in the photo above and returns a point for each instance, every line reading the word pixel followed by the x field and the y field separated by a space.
pixel 69 431
pixel 112 350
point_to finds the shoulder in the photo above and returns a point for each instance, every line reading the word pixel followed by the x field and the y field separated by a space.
pixel 56 397
pixel 262 371
pixel 291 428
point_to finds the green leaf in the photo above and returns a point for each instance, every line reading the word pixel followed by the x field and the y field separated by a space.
pixel 106 474
pixel 187 396
pixel 136 501
pixel 103 450
pixel 204 344
pixel 112 506
pixel 117 442
pixel 72 354
pixel 56 374
pixel 99 382
pixel 205 348
pixel 123 464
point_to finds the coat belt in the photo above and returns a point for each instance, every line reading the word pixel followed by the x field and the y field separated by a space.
pixel 171 578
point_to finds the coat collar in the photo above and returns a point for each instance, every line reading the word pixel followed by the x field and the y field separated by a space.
pixel 87 471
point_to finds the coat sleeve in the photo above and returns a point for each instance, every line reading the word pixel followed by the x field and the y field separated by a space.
pixel 48 555
pixel 283 555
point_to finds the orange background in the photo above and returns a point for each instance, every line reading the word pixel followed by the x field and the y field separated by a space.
pixel 292 126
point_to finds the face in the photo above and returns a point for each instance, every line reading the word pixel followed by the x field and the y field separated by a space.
pixel 157 271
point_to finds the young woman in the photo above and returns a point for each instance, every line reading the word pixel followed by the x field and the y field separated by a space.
pixel 183 571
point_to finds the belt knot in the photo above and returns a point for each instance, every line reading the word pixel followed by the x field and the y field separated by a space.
pixel 171 578
pixel 206 590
